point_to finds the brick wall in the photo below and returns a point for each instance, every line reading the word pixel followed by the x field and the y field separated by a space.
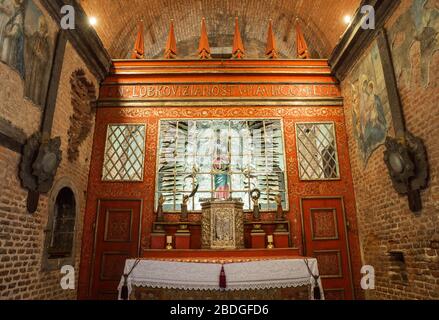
pixel 385 222
pixel 22 234
pixel 322 23
pixel 11 101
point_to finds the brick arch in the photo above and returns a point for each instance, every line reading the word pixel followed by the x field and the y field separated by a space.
pixel 60 184
pixel 321 22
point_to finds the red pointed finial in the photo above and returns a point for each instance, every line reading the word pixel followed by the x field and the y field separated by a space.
pixel 204 48
pixel 238 46
pixel 171 44
pixel 139 46
pixel 271 51
pixel 302 47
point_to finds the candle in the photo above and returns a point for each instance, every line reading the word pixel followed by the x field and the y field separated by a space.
pixel 169 239
pixel 270 238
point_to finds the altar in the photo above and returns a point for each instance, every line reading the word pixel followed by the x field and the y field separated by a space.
pixel 185 279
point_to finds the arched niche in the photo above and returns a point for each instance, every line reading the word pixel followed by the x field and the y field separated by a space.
pixel 61 233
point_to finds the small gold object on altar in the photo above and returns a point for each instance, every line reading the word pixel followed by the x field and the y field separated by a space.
pixel 169 243
pixel 257 228
pixel 183 228
pixel 270 242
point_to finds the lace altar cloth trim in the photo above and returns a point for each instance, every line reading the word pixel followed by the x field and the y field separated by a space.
pixel 268 274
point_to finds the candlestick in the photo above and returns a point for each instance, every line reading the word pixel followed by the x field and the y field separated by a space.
pixel 169 243
pixel 270 242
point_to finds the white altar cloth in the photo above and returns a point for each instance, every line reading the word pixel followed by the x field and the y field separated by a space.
pixel 262 274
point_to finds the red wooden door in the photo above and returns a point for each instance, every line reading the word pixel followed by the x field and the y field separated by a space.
pixel 326 239
pixel 117 239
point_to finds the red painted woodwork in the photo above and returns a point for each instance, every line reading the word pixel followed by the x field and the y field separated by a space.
pixel 238 51
pixel 234 255
pixel 315 73
pixel 281 239
pixel 194 228
pixel 139 46
pixel 258 240
pixel 158 241
pixel 182 240
pixel 171 44
pixel 271 50
pixel 204 48
pixel 117 239
pixel 301 46
pixel 325 239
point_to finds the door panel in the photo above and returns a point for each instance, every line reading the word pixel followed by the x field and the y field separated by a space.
pixel 326 240
pixel 117 239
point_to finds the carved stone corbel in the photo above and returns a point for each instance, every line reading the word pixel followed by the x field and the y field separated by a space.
pixel 408 167
pixel 39 164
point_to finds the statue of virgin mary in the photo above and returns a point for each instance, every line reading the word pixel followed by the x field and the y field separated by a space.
pixel 221 166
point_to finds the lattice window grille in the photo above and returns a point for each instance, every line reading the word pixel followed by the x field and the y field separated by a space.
pixel 124 153
pixel 317 151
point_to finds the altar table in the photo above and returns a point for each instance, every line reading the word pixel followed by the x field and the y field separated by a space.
pixel 259 279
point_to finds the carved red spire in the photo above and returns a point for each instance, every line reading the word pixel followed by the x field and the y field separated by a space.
pixel 238 46
pixel 271 51
pixel 139 46
pixel 302 47
pixel 204 48
pixel 171 44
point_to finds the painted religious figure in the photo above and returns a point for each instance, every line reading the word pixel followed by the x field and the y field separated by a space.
pixel 26 45
pixel 38 57
pixel 221 166
pixel 417 27
pixel 370 110
pixel 221 177
pixel 12 34
pixel 38 53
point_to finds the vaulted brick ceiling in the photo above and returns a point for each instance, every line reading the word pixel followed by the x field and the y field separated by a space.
pixel 321 20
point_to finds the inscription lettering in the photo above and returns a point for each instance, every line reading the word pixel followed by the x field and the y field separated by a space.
pixel 218 91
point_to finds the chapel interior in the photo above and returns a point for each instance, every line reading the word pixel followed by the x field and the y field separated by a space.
pixel 219 149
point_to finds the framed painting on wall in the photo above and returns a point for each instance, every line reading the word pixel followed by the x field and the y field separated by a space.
pixel 27 46
pixel 371 116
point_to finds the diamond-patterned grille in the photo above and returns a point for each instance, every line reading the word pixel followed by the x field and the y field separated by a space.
pixel 124 153
pixel 317 151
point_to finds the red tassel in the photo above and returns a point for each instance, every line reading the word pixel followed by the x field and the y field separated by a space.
pixel 222 279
